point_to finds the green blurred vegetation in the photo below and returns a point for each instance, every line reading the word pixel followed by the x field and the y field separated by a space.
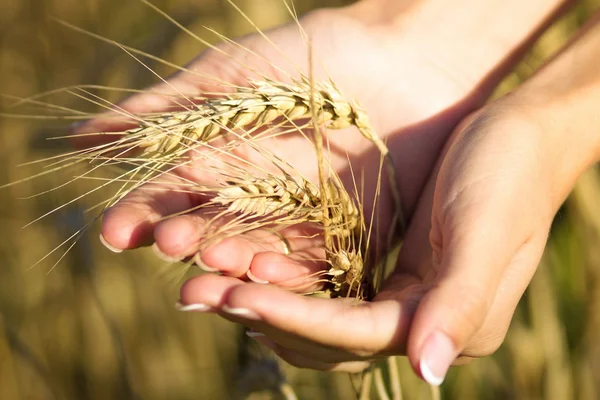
pixel 103 326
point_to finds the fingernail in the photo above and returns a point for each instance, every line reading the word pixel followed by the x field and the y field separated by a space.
pixel 437 354
pixel 201 265
pixel 108 246
pixel 254 334
pixel 240 312
pixel 254 279
pixel 198 307
pixel 163 256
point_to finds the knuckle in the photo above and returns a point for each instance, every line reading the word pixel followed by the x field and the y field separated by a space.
pixel 485 344
pixel 468 313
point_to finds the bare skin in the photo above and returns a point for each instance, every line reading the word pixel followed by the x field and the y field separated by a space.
pixel 463 267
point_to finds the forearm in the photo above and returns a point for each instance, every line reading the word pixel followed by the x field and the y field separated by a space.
pixel 488 31
pixel 564 99
pixel 487 36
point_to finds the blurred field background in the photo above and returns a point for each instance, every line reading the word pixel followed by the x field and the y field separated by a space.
pixel 103 326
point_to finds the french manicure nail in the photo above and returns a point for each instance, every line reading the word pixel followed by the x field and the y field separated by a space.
pixel 201 265
pixel 163 256
pixel 198 307
pixel 108 246
pixel 240 312
pixel 437 354
pixel 254 334
pixel 255 279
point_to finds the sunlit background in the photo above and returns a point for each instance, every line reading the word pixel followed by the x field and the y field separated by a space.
pixel 103 326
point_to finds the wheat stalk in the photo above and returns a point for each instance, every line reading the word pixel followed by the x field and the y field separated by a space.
pixel 282 196
pixel 161 142
pixel 165 141
pixel 260 105
pixel 166 138
pixel 265 108
pixel 279 202
pixel 247 201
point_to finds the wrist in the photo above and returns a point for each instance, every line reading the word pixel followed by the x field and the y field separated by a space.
pixel 476 38
pixel 563 98
pixel 486 35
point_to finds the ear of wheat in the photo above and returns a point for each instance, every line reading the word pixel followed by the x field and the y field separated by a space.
pixel 166 139
pixel 160 143
pixel 249 202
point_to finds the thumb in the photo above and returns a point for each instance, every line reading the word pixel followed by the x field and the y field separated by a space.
pixel 478 226
pixel 469 272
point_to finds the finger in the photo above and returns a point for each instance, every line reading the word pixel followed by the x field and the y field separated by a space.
pixel 130 223
pixel 299 360
pixel 514 281
pixel 206 292
pixel 300 272
pixel 261 253
pixel 476 325
pixel 261 256
pixel 248 244
pixel 361 329
pixel 472 246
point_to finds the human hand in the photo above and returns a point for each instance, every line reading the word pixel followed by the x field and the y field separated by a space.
pixel 473 245
pixel 430 99
pixel 415 116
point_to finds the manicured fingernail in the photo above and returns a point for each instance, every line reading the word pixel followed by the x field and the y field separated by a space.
pixel 201 265
pixel 240 312
pixel 108 246
pixel 163 256
pixel 198 307
pixel 437 354
pixel 254 334
pixel 254 279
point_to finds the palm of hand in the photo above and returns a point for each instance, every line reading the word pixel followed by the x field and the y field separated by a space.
pixel 403 114
pixel 413 104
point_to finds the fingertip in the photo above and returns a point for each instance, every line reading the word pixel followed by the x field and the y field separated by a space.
pixel 298 272
pixel 260 299
pixel 178 237
pixel 165 257
pixel 200 264
pixel 277 268
pixel 125 228
pixel 436 355
pixel 207 289
pixel 444 323
pixel 108 245
pixel 255 279
pixel 77 127
pixel 231 256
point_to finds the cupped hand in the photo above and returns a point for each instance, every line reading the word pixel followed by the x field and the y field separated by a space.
pixel 414 95
pixel 412 99
pixel 474 242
